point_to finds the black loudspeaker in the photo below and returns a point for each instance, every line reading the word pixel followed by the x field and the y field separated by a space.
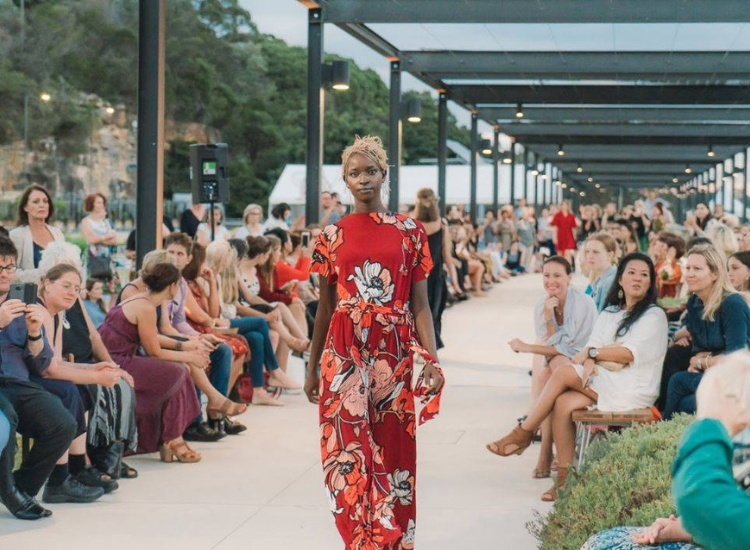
pixel 208 173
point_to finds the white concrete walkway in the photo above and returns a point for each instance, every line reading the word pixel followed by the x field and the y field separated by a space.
pixel 263 489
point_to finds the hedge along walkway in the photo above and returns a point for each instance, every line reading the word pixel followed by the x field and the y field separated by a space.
pixel 263 489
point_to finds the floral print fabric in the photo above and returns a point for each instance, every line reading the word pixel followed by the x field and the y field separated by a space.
pixel 367 411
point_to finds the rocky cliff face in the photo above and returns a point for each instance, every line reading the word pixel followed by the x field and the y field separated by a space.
pixel 108 165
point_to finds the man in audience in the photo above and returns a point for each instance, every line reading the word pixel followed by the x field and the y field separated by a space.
pixel 179 246
pixel 32 410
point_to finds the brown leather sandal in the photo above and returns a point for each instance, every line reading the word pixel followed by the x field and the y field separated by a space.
pixel 168 452
pixel 227 408
pixel 560 482
pixel 518 438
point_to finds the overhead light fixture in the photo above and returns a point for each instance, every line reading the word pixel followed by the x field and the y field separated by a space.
pixel 535 172
pixel 45 97
pixel 414 112
pixel 519 110
pixel 601 189
pixel 598 185
pixel 507 160
pixel 110 110
pixel 582 193
pixel 675 180
pixel 579 169
pixel 336 75
pixel 688 170
pixel 590 179
pixel 572 189
pixel 710 152
pixel 564 186
pixel 560 151
pixel 486 146
pixel 558 183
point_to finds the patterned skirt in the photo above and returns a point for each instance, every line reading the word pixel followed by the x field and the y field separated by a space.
pixel 619 538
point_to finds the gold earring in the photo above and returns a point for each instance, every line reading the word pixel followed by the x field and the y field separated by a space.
pixel 620 294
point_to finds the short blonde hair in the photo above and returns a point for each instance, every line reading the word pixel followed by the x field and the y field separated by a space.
pixel 152 259
pixel 370 147
pixel 734 372
pixel 724 238
pixel 58 252
pixel 249 208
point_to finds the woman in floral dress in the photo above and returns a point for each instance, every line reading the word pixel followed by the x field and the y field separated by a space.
pixel 373 315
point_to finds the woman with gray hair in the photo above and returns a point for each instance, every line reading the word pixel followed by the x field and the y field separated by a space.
pixel 111 428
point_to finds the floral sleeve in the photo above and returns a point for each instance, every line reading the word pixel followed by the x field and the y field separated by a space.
pixel 323 256
pixel 422 258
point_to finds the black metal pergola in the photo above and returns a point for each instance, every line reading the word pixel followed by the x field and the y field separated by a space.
pixel 592 120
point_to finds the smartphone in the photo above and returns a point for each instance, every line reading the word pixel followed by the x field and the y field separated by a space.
pixel 305 239
pixel 26 292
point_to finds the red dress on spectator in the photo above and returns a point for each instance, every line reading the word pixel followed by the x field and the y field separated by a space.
pixel 367 413
pixel 166 402
pixel 238 343
pixel 565 226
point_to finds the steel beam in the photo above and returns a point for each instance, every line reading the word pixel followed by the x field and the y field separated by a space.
pixel 442 155
pixel 745 187
pixel 474 151
pixel 697 66
pixel 522 130
pixel 150 153
pixel 394 134
pixel 539 11
pixel 615 113
pixel 602 94
pixel 315 110
pixel 594 139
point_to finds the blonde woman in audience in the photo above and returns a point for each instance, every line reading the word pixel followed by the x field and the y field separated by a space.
pixel 723 238
pixel 744 237
pixel 252 218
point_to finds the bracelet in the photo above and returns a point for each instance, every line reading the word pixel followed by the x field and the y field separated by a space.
pixel 31 338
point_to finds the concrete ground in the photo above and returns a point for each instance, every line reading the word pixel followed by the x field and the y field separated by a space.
pixel 263 489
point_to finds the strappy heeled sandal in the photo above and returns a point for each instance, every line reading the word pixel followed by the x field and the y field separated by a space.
pixel 560 482
pixel 518 438
pixel 227 408
pixel 168 452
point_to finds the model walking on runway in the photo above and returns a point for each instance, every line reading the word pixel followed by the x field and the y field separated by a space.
pixel 373 316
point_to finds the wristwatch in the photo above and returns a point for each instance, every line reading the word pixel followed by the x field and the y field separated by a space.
pixel 593 353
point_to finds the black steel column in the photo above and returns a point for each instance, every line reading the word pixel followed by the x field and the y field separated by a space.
pixel 744 187
pixel 315 111
pixel 394 134
pixel 526 174
pixel 150 157
pixel 496 169
pixel 442 150
pixel 731 187
pixel 474 149
pixel 512 174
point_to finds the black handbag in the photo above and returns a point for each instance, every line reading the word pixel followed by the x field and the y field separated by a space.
pixel 100 267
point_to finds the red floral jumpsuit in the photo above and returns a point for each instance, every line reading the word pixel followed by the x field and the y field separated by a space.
pixel 367 413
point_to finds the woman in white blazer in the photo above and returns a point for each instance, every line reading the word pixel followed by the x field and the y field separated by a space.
pixel 33 233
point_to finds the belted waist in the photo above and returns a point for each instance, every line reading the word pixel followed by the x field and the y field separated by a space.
pixel 369 309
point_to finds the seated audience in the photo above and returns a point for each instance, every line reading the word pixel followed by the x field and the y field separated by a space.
pixel 717 323
pixel 255 329
pixel 191 218
pixel 252 219
pixel 563 320
pixel 630 338
pixel 33 411
pixel 600 256
pixel 724 239
pixel 702 474
pixel 220 232
pixel 744 238
pixel 668 249
pixel 33 231
pixel 738 268
pixel 166 402
pixel 279 217
pixel 94 302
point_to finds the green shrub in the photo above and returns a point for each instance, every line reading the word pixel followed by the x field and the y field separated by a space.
pixel 626 480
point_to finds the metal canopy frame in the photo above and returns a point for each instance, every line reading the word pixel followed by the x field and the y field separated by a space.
pixel 630 117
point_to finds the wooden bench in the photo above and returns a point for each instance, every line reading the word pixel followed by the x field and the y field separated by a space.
pixel 590 422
